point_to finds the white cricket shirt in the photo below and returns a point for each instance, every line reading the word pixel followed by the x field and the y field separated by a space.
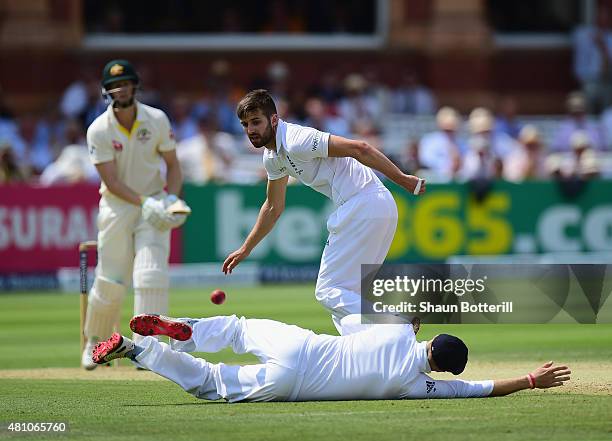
pixel 137 152
pixel 377 362
pixel 302 152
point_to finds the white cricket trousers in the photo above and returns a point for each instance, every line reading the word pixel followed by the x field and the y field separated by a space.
pixel 279 347
pixel 360 232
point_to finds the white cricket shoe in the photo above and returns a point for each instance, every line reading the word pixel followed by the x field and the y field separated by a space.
pixel 86 358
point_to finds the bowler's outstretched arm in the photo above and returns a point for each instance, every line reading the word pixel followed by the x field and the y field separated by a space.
pixel 269 213
pixel 373 158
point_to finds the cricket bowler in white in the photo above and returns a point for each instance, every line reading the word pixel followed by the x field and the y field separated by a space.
pixel 127 144
pixel 361 228
pixel 368 362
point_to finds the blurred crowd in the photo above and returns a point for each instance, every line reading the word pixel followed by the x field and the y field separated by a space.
pixel 486 144
pixel 238 16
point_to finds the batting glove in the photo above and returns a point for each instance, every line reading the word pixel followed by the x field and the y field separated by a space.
pixel 154 212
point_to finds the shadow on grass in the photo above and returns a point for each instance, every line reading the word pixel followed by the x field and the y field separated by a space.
pixel 204 403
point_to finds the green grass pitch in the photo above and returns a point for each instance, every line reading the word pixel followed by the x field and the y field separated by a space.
pixel 40 381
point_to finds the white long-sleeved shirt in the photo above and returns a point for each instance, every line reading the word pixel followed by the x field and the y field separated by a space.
pixel 374 362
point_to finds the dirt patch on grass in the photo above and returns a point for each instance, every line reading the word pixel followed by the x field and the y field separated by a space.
pixel 100 373
pixel 587 377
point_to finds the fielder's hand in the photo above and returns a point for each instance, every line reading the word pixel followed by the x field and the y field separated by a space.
pixel 234 259
pixel 550 376
pixel 414 184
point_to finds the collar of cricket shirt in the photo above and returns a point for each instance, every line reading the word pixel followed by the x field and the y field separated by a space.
pixel 281 130
pixel 140 117
pixel 422 361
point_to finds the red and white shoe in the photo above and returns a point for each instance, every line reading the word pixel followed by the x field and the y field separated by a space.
pixel 155 324
pixel 117 346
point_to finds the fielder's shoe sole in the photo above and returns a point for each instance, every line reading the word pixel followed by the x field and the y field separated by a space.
pixel 115 347
pixel 154 324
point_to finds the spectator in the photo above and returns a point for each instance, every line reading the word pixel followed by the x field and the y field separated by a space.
pixel 506 121
pixel 408 159
pixel 220 98
pixel 9 130
pixel 75 98
pixel 481 126
pixel 412 97
pixel 593 60
pixel 39 153
pixel 583 163
pixel 576 120
pixel 148 95
pixel 481 163
pixel 52 129
pixel 319 117
pixel 441 151
pixel 71 167
pixel 10 134
pixel 95 103
pixel 357 105
pixel 183 124
pixel 606 128
pixel 9 168
pixel 208 155
pixel 377 89
pixel 527 162
pixel 329 89
pixel 278 77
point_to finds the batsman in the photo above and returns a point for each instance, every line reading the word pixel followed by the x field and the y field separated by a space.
pixel 127 145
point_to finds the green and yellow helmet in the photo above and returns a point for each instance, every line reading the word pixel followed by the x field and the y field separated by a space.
pixel 118 70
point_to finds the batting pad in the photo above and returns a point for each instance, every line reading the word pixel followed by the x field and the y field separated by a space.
pixel 149 301
pixel 151 268
pixel 104 308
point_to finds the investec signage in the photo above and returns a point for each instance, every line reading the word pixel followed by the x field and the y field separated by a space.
pixel 41 227
pixel 448 220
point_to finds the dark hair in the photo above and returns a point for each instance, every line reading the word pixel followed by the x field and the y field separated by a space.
pixel 255 100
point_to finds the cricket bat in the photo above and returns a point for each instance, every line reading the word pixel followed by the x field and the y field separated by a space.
pixel 179 207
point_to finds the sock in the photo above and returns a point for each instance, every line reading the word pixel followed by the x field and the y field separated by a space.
pixel 134 352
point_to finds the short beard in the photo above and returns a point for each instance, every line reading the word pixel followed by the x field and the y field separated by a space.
pixel 124 105
pixel 266 137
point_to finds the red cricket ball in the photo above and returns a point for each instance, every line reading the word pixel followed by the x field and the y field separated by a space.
pixel 217 297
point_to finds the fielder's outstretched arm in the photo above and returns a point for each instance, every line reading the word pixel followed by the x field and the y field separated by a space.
pixel 269 213
pixel 543 377
pixel 373 158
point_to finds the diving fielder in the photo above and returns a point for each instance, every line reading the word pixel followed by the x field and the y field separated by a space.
pixel 362 226
pixel 127 144
pixel 369 362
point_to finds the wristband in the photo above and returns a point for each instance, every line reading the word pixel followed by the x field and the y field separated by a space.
pixel 418 187
pixel 531 381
